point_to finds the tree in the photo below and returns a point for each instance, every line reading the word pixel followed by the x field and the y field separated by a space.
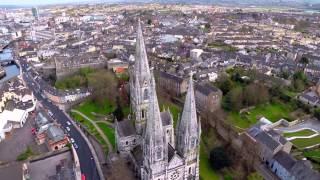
pixel 225 84
pixel 118 113
pixel 316 113
pixel 305 61
pixel 219 158
pixel 234 99
pixel 104 85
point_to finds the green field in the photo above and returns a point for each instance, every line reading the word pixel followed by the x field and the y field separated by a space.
pixel 273 112
pixel 109 132
pixel 305 132
pixel 88 125
pixel 89 106
pixel 313 154
pixel 206 172
pixel 303 143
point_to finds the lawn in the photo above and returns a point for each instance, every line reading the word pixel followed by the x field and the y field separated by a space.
pixel 313 154
pixel 89 106
pixel 305 132
pixel 206 172
pixel 109 132
pixel 273 112
pixel 88 125
pixel 303 143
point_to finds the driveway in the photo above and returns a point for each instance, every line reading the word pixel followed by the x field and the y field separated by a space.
pixel 307 124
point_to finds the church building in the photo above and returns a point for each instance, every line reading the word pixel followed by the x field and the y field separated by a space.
pixel 157 150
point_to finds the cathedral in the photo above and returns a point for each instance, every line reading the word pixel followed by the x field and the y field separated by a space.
pixel 157 150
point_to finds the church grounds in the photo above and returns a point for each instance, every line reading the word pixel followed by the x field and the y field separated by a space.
pixel 91 129
pixel 109 132
pixel 302 143
pixel 304 132
pixel 271 111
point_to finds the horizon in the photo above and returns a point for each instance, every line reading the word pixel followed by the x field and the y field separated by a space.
pixel 52 2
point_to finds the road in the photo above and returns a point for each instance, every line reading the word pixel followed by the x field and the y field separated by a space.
pixel 88 166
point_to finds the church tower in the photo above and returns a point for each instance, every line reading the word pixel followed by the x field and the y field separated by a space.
pixel 155 147
pixel 188 135
pixel 140 83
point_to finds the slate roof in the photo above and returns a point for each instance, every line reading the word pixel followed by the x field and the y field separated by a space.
pixel 126 128
pixel 171 76
pixel 285 160
pixel 171 152
pixel 166 118
pixel 55 133
pixel 267 140
pixel 206 89
pixel 137 154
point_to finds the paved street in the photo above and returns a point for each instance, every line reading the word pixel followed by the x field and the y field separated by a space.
pixel 88 166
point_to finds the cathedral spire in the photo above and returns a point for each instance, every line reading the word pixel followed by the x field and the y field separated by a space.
pixel 141 60
pixel 188 129
pixel 154 141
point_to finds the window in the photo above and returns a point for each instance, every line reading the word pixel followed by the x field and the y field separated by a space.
pixel 159 153
pixel 127 142
pixel 189 170
pixel 193 142
pixel 145 95
pixel 142 113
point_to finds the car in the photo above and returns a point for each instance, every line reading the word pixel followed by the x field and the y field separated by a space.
pixel 75 146
pixel 68 123
pixel 72 140
pixel 68 129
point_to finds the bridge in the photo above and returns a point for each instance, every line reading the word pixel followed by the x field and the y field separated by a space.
pixel 7 62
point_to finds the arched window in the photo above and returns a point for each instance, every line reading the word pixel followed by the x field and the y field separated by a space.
pixel 142 113
pixel 189 170
pixel 145 94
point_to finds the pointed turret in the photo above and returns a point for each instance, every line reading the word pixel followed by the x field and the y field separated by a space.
pixel 154 139
pixel 140 83
pixel 141 66
pixel 188 129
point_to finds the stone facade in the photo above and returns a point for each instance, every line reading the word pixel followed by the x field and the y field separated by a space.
pixel 148 139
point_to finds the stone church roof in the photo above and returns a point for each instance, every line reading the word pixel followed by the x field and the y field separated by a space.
pixel 126 128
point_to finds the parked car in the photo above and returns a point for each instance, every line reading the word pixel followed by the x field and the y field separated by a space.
pixel 68 129
pixel 68 123
pixel 72 140
pixel 75 146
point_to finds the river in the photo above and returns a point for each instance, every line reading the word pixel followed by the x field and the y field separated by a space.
pixel 11 70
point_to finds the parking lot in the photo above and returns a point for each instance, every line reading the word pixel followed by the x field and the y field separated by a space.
pixel 18 141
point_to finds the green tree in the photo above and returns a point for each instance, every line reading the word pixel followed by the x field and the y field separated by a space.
pixel 104 85
pixel 316 113
pixel 224 84
pixel 234 99
pixel 219 158
pixel 305 61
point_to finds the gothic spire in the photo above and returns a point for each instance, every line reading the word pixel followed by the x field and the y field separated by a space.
pixel 188 125
pixel 154 137
pixel 141 60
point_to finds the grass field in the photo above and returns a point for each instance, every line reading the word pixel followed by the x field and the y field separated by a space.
pixel 91 129
pixel 305 132
pixel 109 132
pixel 206 172
pixel 303 143
pixel 313 154
pixel 90 106
pixel 273 112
